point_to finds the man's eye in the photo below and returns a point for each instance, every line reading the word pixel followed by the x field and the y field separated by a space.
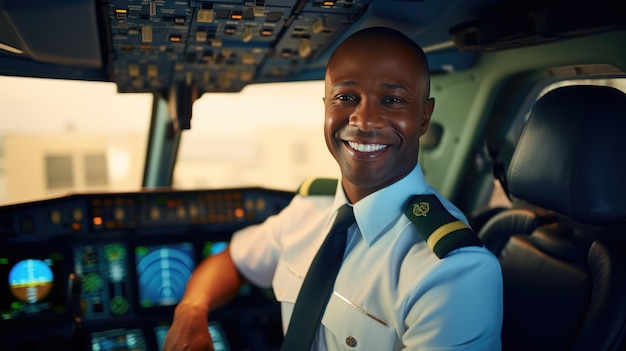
pixel 345 98
pixel 392 100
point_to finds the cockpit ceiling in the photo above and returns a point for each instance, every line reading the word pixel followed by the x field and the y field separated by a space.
pixel 220 45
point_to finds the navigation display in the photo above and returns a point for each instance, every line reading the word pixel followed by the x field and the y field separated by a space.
pixel 163 271
pixel 218 337
pixel 31 285
pixel 118 340
pixel 105 280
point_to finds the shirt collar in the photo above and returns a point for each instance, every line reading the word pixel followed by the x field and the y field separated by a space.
pixel 379 210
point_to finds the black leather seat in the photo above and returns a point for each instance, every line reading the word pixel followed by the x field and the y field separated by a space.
pixel 561 246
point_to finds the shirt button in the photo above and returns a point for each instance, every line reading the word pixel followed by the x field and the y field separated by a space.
pixel 351 341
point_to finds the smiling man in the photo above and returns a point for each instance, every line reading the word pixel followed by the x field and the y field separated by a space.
pixel 412 276
pixel 377 107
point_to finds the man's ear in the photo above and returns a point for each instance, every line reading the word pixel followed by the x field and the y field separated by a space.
pixel 429 107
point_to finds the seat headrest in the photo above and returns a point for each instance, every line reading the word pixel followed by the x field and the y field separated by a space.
pixel 571 155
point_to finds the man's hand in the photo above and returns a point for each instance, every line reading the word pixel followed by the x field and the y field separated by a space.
pixel 189 330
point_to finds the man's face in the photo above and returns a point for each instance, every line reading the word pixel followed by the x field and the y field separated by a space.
pixel 376 108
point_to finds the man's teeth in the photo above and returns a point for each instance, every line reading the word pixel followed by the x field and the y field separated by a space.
pixel 366 147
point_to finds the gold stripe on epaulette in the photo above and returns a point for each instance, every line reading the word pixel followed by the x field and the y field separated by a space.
pixel 306 186
pixel 444 230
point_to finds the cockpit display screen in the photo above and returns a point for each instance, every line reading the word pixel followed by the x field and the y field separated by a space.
pixel 31 285
pixel 163 271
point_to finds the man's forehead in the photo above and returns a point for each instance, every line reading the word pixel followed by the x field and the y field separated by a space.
pixel 384 85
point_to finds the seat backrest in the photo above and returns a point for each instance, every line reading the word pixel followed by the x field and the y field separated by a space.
pixel 561 246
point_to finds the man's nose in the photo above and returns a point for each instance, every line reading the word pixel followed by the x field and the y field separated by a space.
pixel 367 116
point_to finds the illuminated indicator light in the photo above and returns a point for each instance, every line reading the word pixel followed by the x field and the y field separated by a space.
pixel 223 81
pixel 231 73
pixel 175 38
pixel 216 42
pixel 266 32
pixel 120 14
pixel 137 83
pixel 153 8
pixel 318 26
pixel 247 34
pixel 133 71
pixel 328 3
pixel 249 204
pixel 193 211
pixel 261 205
pixel 205 15
pixel 239 212
pixel 55 217
pixel 146 34
pixel 77 214
pixel 201 37
pixel 155 214
pixel 153 71
pixel 97 221
pixel 236 16
pixel 247 59
pixel 119 214
pixel 304 49
pixel 286 53
pixel 76 226
pixel 246 76
pixel 181 212
pixel 4 260
pixel 145 47
pixel 259 10
pixel 207 56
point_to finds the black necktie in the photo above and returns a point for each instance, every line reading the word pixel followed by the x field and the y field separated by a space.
pixel 318 285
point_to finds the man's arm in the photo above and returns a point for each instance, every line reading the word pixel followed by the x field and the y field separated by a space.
pixel 459 306
pixel 213 283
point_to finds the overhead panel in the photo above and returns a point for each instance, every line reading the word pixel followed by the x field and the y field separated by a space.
pixel 316 26
pixel 220 46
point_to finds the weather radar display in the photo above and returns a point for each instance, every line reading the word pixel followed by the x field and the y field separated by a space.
pixel 163 271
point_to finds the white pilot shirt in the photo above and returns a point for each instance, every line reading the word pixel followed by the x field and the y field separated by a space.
pixel 392 292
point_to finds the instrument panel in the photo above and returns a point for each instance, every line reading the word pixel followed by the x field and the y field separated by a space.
pixel 105 271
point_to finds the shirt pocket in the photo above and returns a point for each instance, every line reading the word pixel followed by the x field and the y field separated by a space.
pixel 356 329
pixel 287 282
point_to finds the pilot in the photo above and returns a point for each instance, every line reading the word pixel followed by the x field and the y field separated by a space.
pixel 412 274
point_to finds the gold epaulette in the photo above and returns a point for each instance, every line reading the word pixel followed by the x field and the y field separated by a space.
pixel 318 186
pixel 442 231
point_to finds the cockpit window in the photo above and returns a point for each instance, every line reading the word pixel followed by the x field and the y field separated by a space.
pixel 268 135
pixel 60 136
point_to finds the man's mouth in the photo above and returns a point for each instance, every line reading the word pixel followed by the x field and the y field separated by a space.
pixel 366 147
